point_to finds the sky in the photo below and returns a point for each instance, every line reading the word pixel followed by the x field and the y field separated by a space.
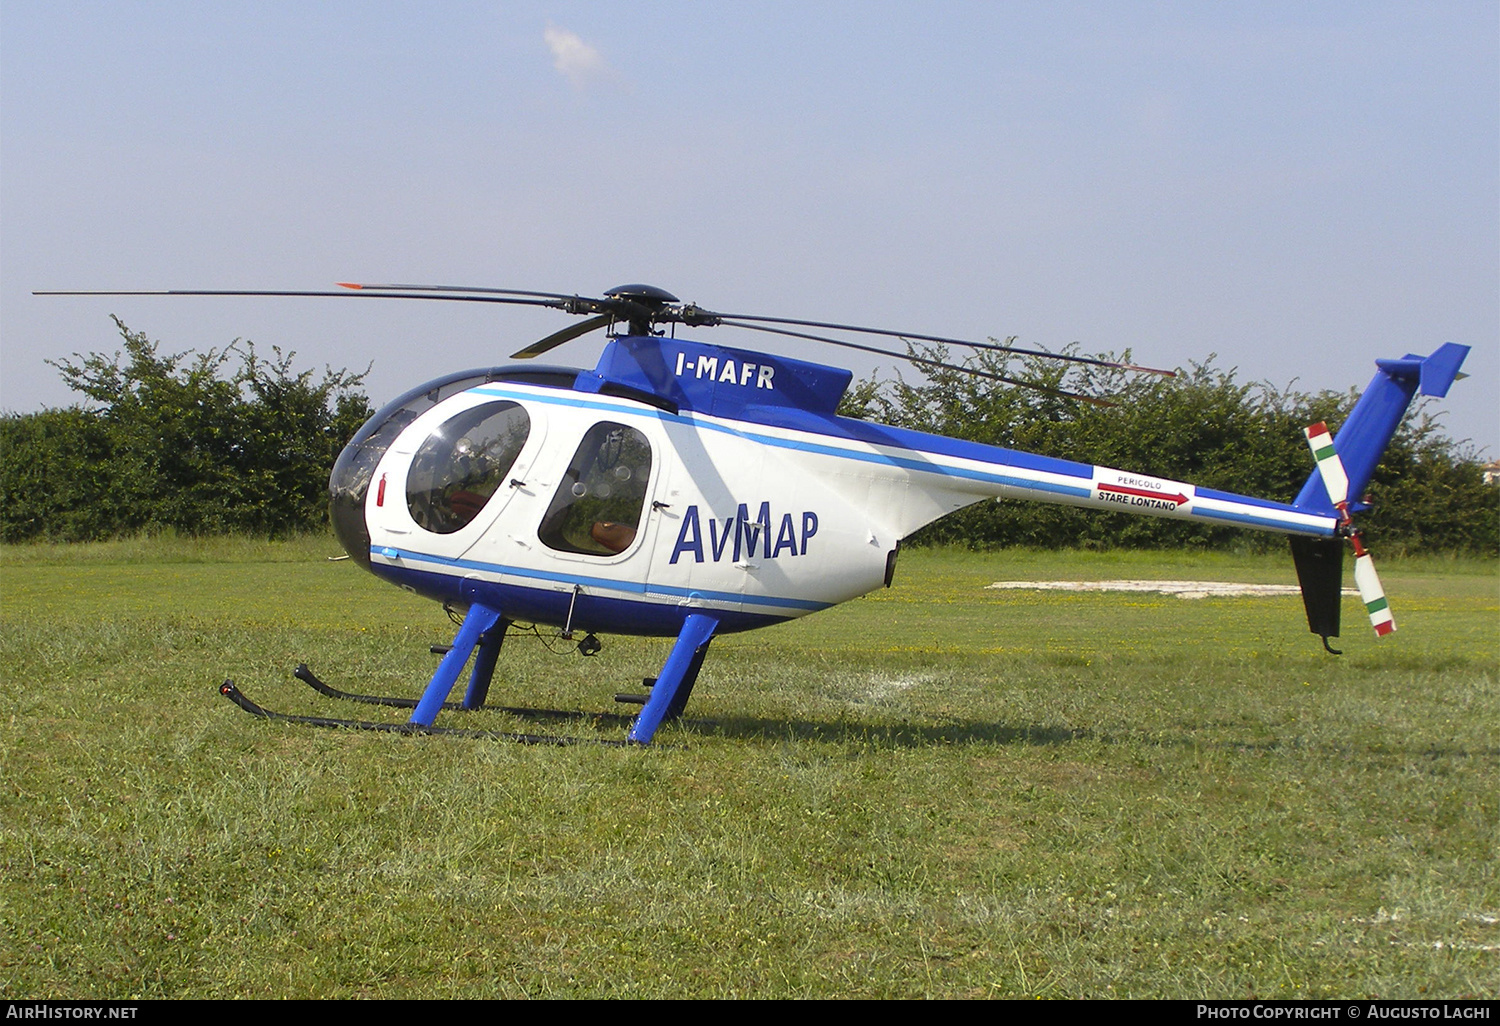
pixel 1293 189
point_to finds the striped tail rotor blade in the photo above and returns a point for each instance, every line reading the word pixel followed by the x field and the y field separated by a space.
pixel 1372 595
pixel 1330 467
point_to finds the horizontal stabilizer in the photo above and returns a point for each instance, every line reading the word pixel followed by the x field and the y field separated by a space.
pixel 1440 370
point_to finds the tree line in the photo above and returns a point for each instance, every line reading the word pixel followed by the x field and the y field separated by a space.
pixel 219 442
pixel 227 441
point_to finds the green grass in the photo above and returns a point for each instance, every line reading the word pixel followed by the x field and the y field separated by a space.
pixel 937 790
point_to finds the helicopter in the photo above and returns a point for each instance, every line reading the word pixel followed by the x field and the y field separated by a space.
pixel 686 489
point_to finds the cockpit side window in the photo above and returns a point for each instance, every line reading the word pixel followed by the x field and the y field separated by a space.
pixel 598 506
pixel 463 463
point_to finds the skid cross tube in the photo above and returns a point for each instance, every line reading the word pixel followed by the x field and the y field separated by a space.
pixel 484 665
pixel 480 619
pixel 678 675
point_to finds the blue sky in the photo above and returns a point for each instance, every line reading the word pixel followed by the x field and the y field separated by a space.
pixel 1298 188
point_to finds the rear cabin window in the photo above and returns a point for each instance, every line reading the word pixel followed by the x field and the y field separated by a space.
pixel 598 506
pixel 461 465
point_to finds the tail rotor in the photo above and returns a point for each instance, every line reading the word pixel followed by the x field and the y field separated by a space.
pixel 1336 481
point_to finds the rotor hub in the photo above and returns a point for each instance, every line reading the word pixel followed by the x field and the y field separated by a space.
pixel 648 295
pixel 640 305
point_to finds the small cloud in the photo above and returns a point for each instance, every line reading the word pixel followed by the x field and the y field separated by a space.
pixel 580 62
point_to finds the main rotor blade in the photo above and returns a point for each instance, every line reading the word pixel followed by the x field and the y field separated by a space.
pixel 508 300
pixel 924 361
pixel 990 346
pixel 567 334
pixel 452 288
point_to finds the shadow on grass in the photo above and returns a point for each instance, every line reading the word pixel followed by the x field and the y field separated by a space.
pixel 905 735
pixel 918 735
pixel 901 735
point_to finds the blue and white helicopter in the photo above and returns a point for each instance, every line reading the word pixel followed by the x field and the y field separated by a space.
pixel 686 489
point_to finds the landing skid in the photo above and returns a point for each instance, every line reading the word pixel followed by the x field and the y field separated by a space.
pixel 304 674
pixel 229 691
pixel 484 630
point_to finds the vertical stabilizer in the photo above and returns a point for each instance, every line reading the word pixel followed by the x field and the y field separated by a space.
pixel 1363 438
pixel 1320 572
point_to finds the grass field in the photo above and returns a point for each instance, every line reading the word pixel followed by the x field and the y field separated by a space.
pixel 937 790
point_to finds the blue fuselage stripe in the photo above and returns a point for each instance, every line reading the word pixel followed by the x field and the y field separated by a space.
pixel 591 612
pixel 929 445
pixel 837 452
pixel 1268 522
pixel 602 583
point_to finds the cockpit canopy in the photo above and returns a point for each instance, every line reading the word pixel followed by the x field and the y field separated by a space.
pixel 349 483
pixel 462 463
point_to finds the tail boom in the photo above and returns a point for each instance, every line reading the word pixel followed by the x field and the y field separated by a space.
pixel 1121 491
pixel 956 473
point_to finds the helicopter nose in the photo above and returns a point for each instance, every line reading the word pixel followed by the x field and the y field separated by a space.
pixel 349 484
pixel 347 487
